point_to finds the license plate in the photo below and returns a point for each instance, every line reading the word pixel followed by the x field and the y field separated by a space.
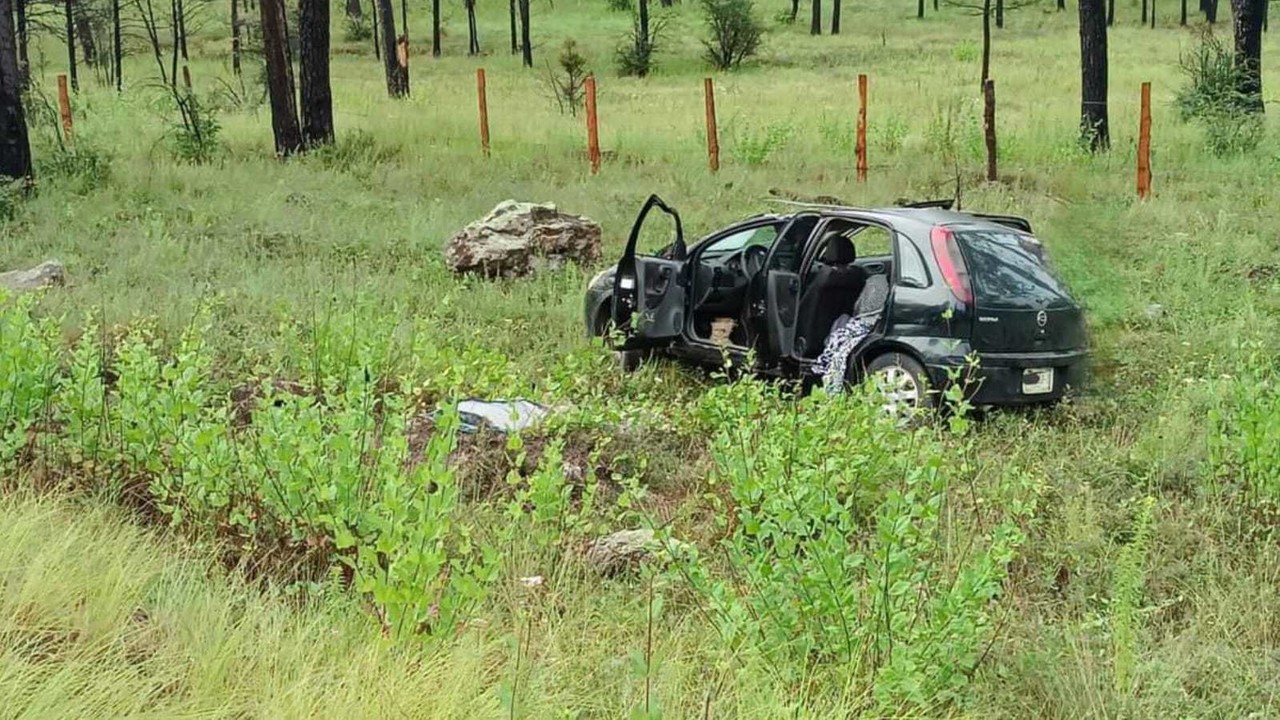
pixel 1037 381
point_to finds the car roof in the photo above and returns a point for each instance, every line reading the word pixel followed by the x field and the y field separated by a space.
pixel 923 215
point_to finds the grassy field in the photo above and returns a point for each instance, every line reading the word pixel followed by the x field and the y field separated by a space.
pixel 1146 582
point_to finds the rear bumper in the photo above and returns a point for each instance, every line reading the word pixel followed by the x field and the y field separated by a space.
pixel 997 380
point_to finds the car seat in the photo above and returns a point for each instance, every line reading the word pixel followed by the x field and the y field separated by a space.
pixel 831 290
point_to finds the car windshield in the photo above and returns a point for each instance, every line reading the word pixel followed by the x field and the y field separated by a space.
pixel 1009 270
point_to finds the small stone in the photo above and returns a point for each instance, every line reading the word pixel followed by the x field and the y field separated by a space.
pixel 615 552
pixel 1154 311
pixel 41 276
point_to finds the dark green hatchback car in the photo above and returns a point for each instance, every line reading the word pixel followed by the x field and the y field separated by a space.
pixel 946 294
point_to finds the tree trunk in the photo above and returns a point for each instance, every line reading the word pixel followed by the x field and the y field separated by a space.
pixel 404 18
pixel 1094 128
pixel 181 17
pixel 835 17
pixel 84 33
pixel 275 50
pixel 644 22
pixel 1062 4
pixel 1211 11
pixel 1153 14
pixel 15 148
pixel 377 37
pixel 815 20
pixel 235 37
pixel 435 28
pixel 526 45
pixel 355 10
pixel 919 9
pixel 795 10
pixel 986 43
pixel 1248 16
pixel 1183 20
pixel 1144 12
pixel 397 75
pixel 71 46
pixel 999 14
pixel 1111 12
pixel 511 11
pixel 473 33
pixel 117 46
pixel 313 66
pixel 24 63
pixel 989 127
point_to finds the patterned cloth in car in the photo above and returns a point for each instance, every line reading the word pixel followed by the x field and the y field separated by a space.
pixel 846 333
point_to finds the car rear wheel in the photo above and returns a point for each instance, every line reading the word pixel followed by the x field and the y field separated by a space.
pixel 903 383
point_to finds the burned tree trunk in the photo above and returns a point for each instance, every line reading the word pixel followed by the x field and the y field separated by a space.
pixel 24 64
pixel 815 19
pixel 84 33
pixel 71 46
pixel 795 10
pixel 180 17
pixel 1211 11
pixel 1111 12
pixel 919 9
pixel 435 28
pixel 511 10
pixel 235 37
pixel 473 33
pixel 999 14
pixel 526 44
pixel 1094 128
pixel 355 10
pixel 835 17
pixel 275 50
pixel 117 46
pixel 1183 20
pixel 317 97
pixel 377 36
pixel 1248 16
pixel 397 74
pixel 1144 12
pixel 986 43
pixel 15 147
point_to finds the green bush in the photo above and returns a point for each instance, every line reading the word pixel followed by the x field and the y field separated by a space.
pixel 28 374
pixel 1245 443
pixel 735 32
pixel 835 545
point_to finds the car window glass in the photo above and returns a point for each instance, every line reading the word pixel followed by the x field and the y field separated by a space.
pixel 911 267
pixel 762 236
pixel 872 241
pixel 789 250
pixel 1009 269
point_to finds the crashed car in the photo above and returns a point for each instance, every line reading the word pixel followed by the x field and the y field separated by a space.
pixel 937 288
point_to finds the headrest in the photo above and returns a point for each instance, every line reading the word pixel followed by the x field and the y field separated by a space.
pixel 839 251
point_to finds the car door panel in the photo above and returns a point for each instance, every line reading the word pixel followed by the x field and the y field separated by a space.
pixel 649 293
pixel 782 300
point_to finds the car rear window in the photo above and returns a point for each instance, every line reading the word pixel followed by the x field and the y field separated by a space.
pixel 1009 270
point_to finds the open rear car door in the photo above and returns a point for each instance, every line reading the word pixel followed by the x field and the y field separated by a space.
pixel 649 293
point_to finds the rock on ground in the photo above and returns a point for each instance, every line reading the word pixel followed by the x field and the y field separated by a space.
pixel 43 275
pixel 519 238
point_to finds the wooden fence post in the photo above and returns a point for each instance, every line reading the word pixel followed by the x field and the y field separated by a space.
pixel 1144 144
pixel 862 128
pixel 593 128
pixel 484 111
pixel 64 106
pixel 989 126
pixel 713 139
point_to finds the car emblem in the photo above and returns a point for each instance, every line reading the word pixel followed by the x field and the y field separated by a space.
pixel 1042 318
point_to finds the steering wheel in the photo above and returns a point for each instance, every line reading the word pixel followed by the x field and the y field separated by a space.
pixel 753 259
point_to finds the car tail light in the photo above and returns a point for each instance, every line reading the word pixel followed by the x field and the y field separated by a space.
pixel 947 252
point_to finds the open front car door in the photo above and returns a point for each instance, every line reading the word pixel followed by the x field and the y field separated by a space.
pixel 649 293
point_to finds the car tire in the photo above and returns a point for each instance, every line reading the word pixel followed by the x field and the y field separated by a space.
pixel 630 361
pixel 906 382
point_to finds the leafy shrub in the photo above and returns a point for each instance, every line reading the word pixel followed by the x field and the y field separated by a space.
pixel 28 373
pixel 835 545
pixel 735 32
pixel 620 5
pixel 635 56
pixel 1211 96
pixel 358 29
pixel 966 51
pixel 889 134
pixel 1128 579
pixel 193 136
pixel 1245 443
pixel 83 165
pixel 568 87
pixel 752 149
pixel 356 152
